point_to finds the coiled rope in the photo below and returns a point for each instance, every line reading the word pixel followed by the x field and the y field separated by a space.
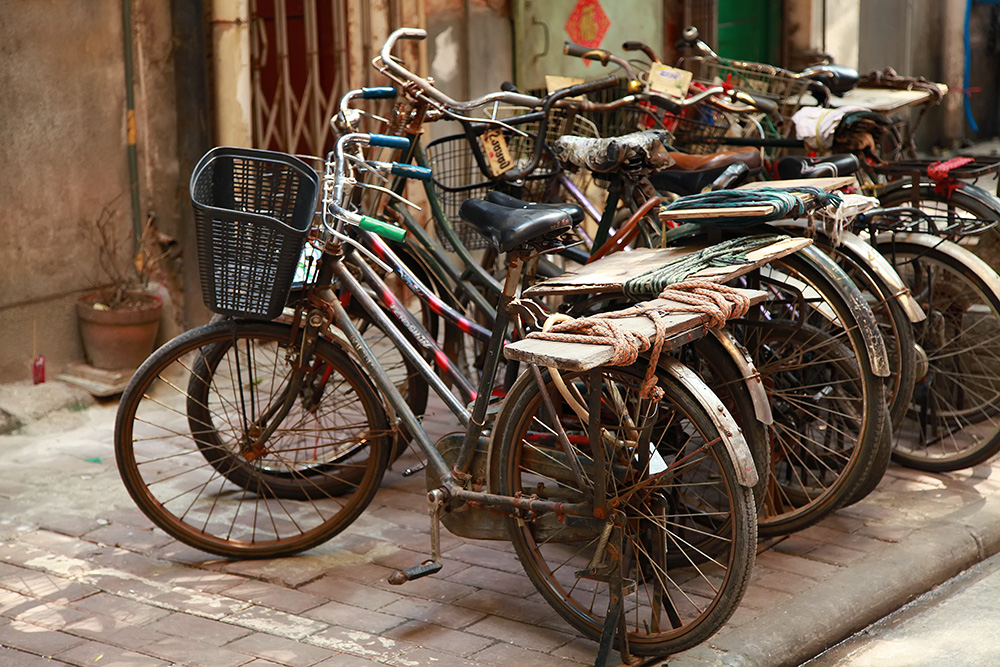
pixel 718 302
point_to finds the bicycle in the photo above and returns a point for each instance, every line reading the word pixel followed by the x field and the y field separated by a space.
pixel 243 493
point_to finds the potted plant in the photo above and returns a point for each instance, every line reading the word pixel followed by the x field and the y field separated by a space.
pixel 119 320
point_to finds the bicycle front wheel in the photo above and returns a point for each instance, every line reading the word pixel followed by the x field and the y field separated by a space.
pixel 190 445
pixel 687 528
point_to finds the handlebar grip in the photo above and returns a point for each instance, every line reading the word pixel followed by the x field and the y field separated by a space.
pixel 590 86
pixel 664 103
pixel 509 87
pixel 579 51
pixel 641 46
pixel 765 104
pixel 378 93
pixel 411 171
pixel 388 141
pixel 383 229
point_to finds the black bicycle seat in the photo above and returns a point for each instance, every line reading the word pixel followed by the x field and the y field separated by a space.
pixel 511 228
pixel 690 174
pixel 837 78
pixel 795 166
pixel 574 211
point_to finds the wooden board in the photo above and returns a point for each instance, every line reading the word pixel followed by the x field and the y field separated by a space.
pixel 883 100
pixel 582 357
pixel 828 183
pixel 609 274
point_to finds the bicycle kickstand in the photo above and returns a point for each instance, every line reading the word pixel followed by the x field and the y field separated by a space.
pixel 435 502
pixel 610 570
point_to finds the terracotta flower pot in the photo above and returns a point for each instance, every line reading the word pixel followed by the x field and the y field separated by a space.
pixel 121 338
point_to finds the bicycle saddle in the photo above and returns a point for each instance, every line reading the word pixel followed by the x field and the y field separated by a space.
pixel 604 155
pixel 510 228
pixel 837 78
pixel 794 166
pixel 693 173
pixel 574 211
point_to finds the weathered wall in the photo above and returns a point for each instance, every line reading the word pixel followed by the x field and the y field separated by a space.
pixel 62 119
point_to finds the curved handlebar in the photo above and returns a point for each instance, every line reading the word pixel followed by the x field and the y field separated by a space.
pixel 428 89
pixel 600 55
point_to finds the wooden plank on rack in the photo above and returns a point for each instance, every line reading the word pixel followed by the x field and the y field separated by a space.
pixel 726 211
pixel 608 275
pixel 581 356
pixel 828 183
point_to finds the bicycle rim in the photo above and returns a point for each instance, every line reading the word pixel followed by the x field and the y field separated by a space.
pixel 188 452
pixel 687 535
pixel 954 417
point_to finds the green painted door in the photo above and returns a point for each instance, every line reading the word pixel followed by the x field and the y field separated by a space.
pixel 749 30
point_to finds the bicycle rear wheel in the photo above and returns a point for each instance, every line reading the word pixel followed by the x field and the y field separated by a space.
pixel 688 538
pixel 188 447
pixel 954 417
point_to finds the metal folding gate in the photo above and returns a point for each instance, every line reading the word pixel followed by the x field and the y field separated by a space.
pixel 305 54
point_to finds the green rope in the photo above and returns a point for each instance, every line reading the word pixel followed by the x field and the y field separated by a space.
pixel 783 200
pixel 728 253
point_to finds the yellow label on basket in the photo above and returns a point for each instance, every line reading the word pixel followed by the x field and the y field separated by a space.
pixel 669 80
pixel 497 153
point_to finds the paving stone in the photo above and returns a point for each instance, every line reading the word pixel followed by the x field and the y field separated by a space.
pixel 507 606
pixel 276 622
pixel 346 660
pixel 48 615
pixel 520 634
pixel 348 616
pixel 45 586
pixel 130 637
pixel 210 631
pixel 837 555
pixel 450 616
pixel 276 597
pixel 339 589
pixel 507 654
pixel 56 543
pixel 140 539
pixel 359 644
pixel 93 653
pixel 280 650
pixel 426 657
pixel 580 650
pixel 810 568
pixel 11 657
pixel 517 585
pixel 827 534
pixel 192 652
pixel 474 554
pixel 437 637
pixel 787 582
pixel 36 639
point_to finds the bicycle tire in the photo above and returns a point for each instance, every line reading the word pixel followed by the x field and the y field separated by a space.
pixel 838 348
pixel 960 392
pixel 708 519
pixel 236 505
pixel 893 323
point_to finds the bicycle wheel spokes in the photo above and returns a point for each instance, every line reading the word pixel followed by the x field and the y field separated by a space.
pixel 679 523
pixel 954 417
pixel 191 448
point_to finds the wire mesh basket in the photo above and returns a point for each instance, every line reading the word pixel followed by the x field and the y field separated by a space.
pixel 461 172
pixel 768 81
pixel 694 131
pixel 253 209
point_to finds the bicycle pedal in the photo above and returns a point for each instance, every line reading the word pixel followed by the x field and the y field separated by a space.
pixel 416 572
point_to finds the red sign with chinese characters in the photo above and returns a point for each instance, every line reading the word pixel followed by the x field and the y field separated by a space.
pixel 587 23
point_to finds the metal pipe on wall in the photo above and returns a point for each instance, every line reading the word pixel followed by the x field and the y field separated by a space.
pixel 231 60
pixel 953 70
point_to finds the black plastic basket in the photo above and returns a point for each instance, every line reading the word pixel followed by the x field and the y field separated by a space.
pixel 253 209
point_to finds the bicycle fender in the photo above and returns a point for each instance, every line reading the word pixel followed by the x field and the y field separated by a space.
pixel 874 344
pixel 732 435
pixel 967 258
pixel 751 377
pixel 880 266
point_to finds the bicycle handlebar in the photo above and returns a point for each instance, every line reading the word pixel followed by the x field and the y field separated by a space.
pixel 428 89
pixel 600 55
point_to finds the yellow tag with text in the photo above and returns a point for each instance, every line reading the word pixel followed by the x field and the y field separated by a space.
pixel 497 153
pixel 669 80
pixel 554 82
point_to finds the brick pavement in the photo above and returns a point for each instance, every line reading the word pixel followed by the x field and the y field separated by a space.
pixel 85 580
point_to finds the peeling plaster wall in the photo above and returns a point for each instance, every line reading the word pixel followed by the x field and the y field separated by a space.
pixel 62 111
